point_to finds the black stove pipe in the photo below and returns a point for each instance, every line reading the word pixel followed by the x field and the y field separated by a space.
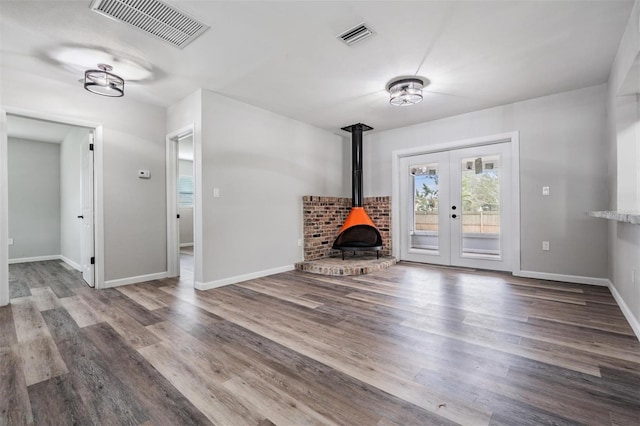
pixel 356 161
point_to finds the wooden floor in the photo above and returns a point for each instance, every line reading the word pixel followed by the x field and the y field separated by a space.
pixel 412 345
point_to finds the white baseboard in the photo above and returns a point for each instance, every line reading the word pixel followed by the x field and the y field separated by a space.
pixel 633 321
pixel 577 279
pixel 71 263
pixel 186 244
pixel 35 259
pixel 604 282
pixel 239 278
pixel 134 280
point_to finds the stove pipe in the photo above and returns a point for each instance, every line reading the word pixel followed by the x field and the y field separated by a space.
pixel 356 161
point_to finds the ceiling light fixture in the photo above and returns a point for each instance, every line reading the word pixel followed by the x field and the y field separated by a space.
pixel 102 82
pixel 406 91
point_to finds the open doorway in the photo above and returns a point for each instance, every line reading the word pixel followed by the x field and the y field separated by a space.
pixel 50 180
pixel 181 247
pixel 186 205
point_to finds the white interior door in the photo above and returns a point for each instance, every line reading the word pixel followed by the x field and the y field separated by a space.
pixel 455 207
pixel 176 171
pixel 87 244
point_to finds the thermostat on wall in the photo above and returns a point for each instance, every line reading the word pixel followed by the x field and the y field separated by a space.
pixel 144 174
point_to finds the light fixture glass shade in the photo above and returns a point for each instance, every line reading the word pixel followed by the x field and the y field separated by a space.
pixel 405 92
pixel 102 82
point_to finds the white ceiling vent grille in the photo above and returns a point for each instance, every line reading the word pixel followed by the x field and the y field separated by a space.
pixel 356 34
pixel 154 17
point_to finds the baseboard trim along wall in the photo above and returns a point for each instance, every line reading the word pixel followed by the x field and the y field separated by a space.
pixel 35 259
pixel 633 321
pixel 71 263
pixel 576 279
pixel 603 282
pixel 239 278
pixel 134 280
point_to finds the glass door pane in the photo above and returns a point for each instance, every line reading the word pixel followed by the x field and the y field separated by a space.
pixel 426 189
pixel 480 206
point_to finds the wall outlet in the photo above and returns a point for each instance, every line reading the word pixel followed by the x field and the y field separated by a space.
pixel 216 192
pixel 10 240
pixel 299 242
pixel 545 245
pixel 545 190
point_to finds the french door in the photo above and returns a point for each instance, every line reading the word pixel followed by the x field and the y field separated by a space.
pixel 455 207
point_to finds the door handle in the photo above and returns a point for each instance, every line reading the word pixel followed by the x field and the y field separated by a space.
pixel 453 216
pixel 81 217
pixel 453 207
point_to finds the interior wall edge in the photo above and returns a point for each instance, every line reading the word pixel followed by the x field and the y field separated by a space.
pixel 626 311
pixel 4 211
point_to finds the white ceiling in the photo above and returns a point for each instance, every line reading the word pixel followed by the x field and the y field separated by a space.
pixel 36 130
pixel 284 56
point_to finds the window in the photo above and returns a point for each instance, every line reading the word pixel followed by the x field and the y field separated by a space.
pixel 185 191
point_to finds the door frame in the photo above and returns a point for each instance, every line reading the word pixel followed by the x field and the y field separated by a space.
pixel 511 137
pixel 173 226
pixel 4 192
pixel 87 238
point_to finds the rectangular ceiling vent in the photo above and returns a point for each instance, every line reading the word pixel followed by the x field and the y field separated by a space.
pixel 356 34
pixel 154 17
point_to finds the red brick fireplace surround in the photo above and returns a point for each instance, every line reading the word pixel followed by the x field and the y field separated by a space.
pixel 323 217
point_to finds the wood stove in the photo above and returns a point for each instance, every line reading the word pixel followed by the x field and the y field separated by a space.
pixel 358 233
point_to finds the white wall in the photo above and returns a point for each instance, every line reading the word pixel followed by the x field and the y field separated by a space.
pixel 626 110
pixel 133 135
pixel 70 194
pixel 34 198
pixel 561 146
pixel 624 172
pixel 185 168
pixel 263 164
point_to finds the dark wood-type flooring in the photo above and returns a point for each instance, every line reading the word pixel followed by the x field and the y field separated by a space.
pixel 412 345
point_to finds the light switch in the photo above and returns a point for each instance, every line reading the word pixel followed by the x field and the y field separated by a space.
pixel 10 240
pixel 216 192
pixel 545 245
pixel 545 190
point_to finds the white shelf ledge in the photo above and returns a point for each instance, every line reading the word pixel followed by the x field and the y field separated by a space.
pixel 633 218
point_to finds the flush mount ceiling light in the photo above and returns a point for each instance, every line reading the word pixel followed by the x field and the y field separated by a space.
pixel 102 82
pixel 406 91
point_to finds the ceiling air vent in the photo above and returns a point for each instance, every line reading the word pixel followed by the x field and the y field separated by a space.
pixel 356 34
pixel 154 17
